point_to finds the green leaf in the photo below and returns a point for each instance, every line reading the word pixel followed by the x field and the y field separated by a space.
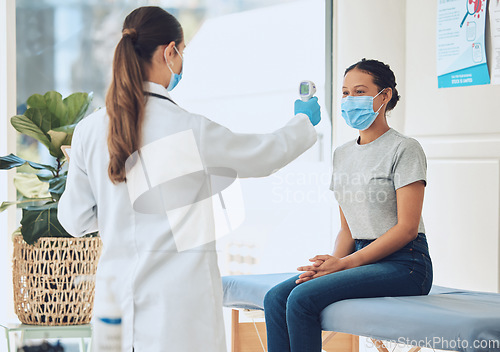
pixel 66 129
pixel 5 205
pixel 56 108
pixel 58 139
pixel 23 203
pixel 57 186
pixel 33 202
pixel 77 104
pixel 10 161
pixel 30 186
pixel 41 222
pixel 51 120
pixel 27 124
pixel 36 101
pixel 45 178
pixel 41 118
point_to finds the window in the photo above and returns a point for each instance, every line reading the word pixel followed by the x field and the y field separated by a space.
pixel 243 70
pixel 243 65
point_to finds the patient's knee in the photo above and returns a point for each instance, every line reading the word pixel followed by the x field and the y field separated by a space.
pixel 274 298
pixel 300 300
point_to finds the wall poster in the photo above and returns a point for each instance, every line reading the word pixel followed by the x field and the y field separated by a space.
pixel 461 54
pixel 494 10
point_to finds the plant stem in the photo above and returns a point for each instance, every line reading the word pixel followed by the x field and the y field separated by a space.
pixel 59 165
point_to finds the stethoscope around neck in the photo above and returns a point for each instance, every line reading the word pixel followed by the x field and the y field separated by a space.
pixel 160 96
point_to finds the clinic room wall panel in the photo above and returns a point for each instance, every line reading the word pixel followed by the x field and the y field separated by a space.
pixel 459 130
pixel 461 215
pixel 372 29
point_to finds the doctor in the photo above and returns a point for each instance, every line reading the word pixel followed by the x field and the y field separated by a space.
pixel 170 298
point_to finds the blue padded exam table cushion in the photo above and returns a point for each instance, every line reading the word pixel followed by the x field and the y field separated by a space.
pixel 447 318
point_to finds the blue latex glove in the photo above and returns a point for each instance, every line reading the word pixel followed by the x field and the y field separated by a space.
pixel 310 108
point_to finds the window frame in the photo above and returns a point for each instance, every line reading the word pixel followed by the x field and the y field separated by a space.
pixel 7 145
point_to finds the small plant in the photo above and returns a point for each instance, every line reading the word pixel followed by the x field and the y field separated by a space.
pixel 50 120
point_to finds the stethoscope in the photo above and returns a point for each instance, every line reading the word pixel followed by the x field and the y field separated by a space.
pixel 160 96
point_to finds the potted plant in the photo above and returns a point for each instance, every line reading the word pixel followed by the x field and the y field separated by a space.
pixel 52 271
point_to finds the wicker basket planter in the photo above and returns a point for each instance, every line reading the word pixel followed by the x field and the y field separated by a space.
pixel 54 280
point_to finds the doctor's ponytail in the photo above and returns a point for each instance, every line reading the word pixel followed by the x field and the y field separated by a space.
pixel 143 31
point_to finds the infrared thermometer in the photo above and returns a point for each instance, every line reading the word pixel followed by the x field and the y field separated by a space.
pixel 307 89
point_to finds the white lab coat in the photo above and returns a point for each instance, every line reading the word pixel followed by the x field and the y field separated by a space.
pixel 170 300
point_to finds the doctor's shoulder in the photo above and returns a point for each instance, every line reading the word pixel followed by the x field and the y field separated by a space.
pixel 206 124
pixel 163 108
pixel 93 125
pixel 94 119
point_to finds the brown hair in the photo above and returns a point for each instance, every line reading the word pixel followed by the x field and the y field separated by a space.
pixel 144 30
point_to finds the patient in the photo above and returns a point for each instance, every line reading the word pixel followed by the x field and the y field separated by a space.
pixel 381 249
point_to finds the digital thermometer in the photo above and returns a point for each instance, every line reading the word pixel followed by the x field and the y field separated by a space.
pixel 307 89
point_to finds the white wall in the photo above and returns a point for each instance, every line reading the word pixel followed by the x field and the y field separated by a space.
pixel 459 129
pixel 373 29
pixel 7 145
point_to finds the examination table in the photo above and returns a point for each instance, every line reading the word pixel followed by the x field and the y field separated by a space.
pixel 447 318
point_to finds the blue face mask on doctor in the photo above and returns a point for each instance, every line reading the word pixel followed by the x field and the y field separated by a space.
pixel 357 111
pixel 174 78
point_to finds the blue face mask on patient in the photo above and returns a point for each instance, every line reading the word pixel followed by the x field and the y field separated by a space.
pixel 357 111
pixel 174 78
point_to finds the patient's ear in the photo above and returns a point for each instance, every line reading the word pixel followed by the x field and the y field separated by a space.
pixel 387 95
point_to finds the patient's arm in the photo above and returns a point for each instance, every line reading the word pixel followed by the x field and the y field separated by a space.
pixel 344 243
pixel 344 246
pixel 410 199
pixel 409 202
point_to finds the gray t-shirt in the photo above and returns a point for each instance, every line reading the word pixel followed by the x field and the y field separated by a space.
pixel 365 179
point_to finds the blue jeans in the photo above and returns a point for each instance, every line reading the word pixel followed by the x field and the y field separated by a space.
pixel 293 311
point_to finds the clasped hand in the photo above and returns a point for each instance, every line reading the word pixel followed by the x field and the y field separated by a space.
pixel 322 265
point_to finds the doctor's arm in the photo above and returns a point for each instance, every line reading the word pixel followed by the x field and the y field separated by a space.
pixel 256 155
pixel 77 210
